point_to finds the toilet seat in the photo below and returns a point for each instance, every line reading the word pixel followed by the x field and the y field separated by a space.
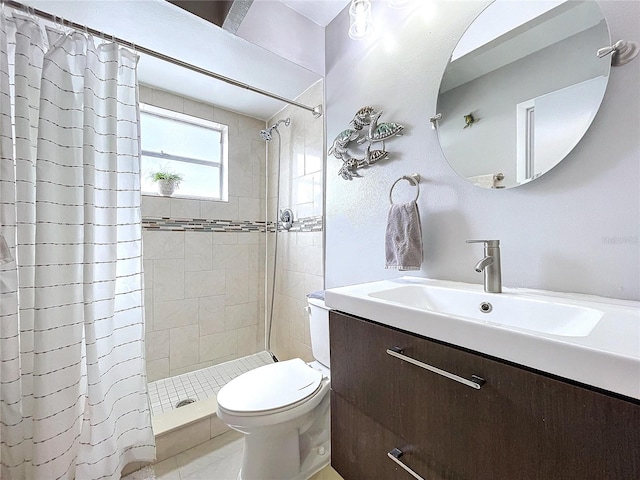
pixel 281 386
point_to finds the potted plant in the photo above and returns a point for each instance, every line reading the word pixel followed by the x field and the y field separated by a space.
pixel 167 181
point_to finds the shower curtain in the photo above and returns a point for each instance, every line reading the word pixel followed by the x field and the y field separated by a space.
pixel 73 400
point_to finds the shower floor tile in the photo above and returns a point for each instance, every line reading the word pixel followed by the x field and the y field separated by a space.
pixel 166 393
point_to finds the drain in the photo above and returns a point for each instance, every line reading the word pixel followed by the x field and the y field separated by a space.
pixel 182 403
pixel 486 307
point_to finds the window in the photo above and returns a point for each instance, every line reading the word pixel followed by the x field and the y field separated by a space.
pixel 194 148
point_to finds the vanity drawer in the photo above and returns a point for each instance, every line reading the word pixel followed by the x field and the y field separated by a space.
pixel 397 390
pixel 519 425
pixel 360 447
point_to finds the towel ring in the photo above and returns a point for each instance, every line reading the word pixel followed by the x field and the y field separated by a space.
pixel 413 179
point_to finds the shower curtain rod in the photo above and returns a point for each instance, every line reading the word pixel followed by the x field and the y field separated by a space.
pixel 316 111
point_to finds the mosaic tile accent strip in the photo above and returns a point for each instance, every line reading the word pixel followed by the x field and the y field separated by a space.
pixel 165 394
pixel 202 225
pixel 306 224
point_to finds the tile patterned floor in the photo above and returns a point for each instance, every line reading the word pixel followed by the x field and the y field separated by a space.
pixel 166 393
pixel 217 459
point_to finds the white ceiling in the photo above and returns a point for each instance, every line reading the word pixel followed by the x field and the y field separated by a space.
pixel 285 32
pixel 165 28
pixel 321 12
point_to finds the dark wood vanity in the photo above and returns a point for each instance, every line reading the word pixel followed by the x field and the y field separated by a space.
pixel 520 424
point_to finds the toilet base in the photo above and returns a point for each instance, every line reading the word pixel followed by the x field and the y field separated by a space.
pixel 314 462
pixel 283 453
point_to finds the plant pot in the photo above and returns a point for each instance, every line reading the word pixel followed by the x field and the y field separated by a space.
pixel 166 187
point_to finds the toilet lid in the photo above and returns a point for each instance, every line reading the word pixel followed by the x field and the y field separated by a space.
pixel 270 387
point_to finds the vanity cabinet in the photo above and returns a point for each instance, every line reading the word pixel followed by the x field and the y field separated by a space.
pixel 519 425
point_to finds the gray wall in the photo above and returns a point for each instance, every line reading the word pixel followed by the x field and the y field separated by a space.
pixel 576 229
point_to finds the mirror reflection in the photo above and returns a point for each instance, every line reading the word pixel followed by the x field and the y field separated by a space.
pixel 521 89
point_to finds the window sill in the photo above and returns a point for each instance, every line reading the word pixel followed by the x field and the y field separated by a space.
pixel 185 197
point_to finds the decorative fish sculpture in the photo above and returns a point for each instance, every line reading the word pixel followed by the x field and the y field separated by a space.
pixel 349 167
pixel 387 130
pixel 341 141
pixel 338 152
pixel 374 156
pixel 376 133
pixel 362 118
pixel 382 131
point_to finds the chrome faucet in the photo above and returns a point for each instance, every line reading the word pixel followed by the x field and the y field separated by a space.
pixel 490 265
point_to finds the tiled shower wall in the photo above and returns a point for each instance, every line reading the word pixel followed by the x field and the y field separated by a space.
pixel 204 290
pixel 299 267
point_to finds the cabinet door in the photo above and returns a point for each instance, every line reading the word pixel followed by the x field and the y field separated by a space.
pixel 520 425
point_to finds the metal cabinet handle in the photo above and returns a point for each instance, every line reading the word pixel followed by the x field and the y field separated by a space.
pixel 395 455
pixel 475 382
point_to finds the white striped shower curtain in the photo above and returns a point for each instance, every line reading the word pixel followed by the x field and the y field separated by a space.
pixel 73 400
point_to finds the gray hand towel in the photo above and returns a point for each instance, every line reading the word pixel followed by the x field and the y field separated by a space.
pixel 403 242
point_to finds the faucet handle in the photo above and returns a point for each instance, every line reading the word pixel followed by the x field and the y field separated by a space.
pixel 488 243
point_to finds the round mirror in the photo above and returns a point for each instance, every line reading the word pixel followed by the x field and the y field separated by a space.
pixel 521 89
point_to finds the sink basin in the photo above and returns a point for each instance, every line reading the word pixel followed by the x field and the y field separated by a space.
pixel 506 309
pixel 588 339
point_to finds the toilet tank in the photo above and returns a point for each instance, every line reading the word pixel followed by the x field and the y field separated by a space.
pixel 319 329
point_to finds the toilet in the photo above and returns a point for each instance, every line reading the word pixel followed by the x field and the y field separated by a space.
pixel 283 410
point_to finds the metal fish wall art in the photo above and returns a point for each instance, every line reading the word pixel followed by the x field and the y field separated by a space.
pixel 341 141
pixel 379 132
pixel 376 133
pixel 362 118
pixel 348 169
pixel 351 165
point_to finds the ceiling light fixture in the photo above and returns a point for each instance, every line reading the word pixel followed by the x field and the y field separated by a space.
pixel 360 24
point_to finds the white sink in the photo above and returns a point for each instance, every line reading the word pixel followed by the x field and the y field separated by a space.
pixel 589 339
pixel 512 310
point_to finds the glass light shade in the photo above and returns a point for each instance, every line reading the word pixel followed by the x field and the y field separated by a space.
pixel 360 24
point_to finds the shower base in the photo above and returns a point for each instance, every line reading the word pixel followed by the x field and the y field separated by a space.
pixel 165 394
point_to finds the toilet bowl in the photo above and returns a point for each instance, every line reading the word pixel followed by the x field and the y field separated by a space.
pixel 283 411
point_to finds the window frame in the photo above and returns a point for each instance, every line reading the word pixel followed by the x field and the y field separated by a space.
pixel 222 165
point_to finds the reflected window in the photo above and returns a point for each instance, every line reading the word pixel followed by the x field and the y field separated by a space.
pixel 525 140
